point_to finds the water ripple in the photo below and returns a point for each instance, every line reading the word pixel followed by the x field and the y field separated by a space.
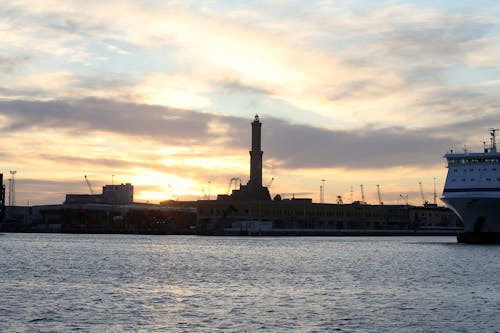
pixel 124 283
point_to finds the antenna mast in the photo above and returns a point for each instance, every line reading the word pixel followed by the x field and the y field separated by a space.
pixel 12 189
pixel 493 139
pixel 362 193
pixel 379 196
pixel 322 191
pixel 435 195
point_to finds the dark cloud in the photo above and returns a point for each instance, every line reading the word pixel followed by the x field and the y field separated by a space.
pixel 162 124
pixel 287 145
pixel 300 146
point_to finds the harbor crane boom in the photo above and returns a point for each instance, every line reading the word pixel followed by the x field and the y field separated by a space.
pixel 422 193
pixel 404 198
pixel 270 183
pixel 88 184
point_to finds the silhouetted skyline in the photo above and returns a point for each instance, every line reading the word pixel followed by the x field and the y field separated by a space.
pixel 159 95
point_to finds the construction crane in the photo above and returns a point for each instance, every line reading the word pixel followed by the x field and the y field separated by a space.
pixel 88 184
pixel 362 193
pixel 404 198
pixel 270 182
pixel 379 196
pixel 422 194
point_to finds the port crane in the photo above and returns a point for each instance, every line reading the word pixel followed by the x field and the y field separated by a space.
pixel 424 202
pixel 404 198
pixel 88 184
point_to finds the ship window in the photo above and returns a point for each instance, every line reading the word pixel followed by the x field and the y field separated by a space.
pixel 471 170
pixel 472 179
pixel 463 179
pixel 455 170
pixel 488 179
pixel 453 180
pixel 494 169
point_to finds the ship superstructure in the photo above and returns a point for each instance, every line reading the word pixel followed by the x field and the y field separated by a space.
pixel 2 198
pixel 472 191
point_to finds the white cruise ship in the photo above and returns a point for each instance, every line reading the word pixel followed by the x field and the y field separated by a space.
pixel 472 191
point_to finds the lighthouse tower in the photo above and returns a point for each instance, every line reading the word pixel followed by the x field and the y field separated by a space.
pixel 254 190
pixel 256 155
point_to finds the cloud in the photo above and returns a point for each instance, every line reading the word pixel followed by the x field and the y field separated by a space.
pixel 289 145
pixel 9 64
pixel 300 146
pixel 163 124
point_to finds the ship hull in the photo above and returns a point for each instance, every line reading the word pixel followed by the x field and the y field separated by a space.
pixel 479 237
pixel 480 215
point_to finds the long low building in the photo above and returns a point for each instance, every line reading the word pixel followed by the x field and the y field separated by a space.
pixel 302 215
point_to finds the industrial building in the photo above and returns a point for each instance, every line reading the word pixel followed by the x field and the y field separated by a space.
pixel 111 194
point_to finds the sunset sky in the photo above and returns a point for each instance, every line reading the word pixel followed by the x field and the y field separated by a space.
pixel 161 94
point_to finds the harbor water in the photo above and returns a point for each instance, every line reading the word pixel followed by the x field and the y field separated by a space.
pixel 134 283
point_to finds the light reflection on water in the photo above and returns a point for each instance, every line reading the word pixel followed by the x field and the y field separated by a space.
pixel 115 283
